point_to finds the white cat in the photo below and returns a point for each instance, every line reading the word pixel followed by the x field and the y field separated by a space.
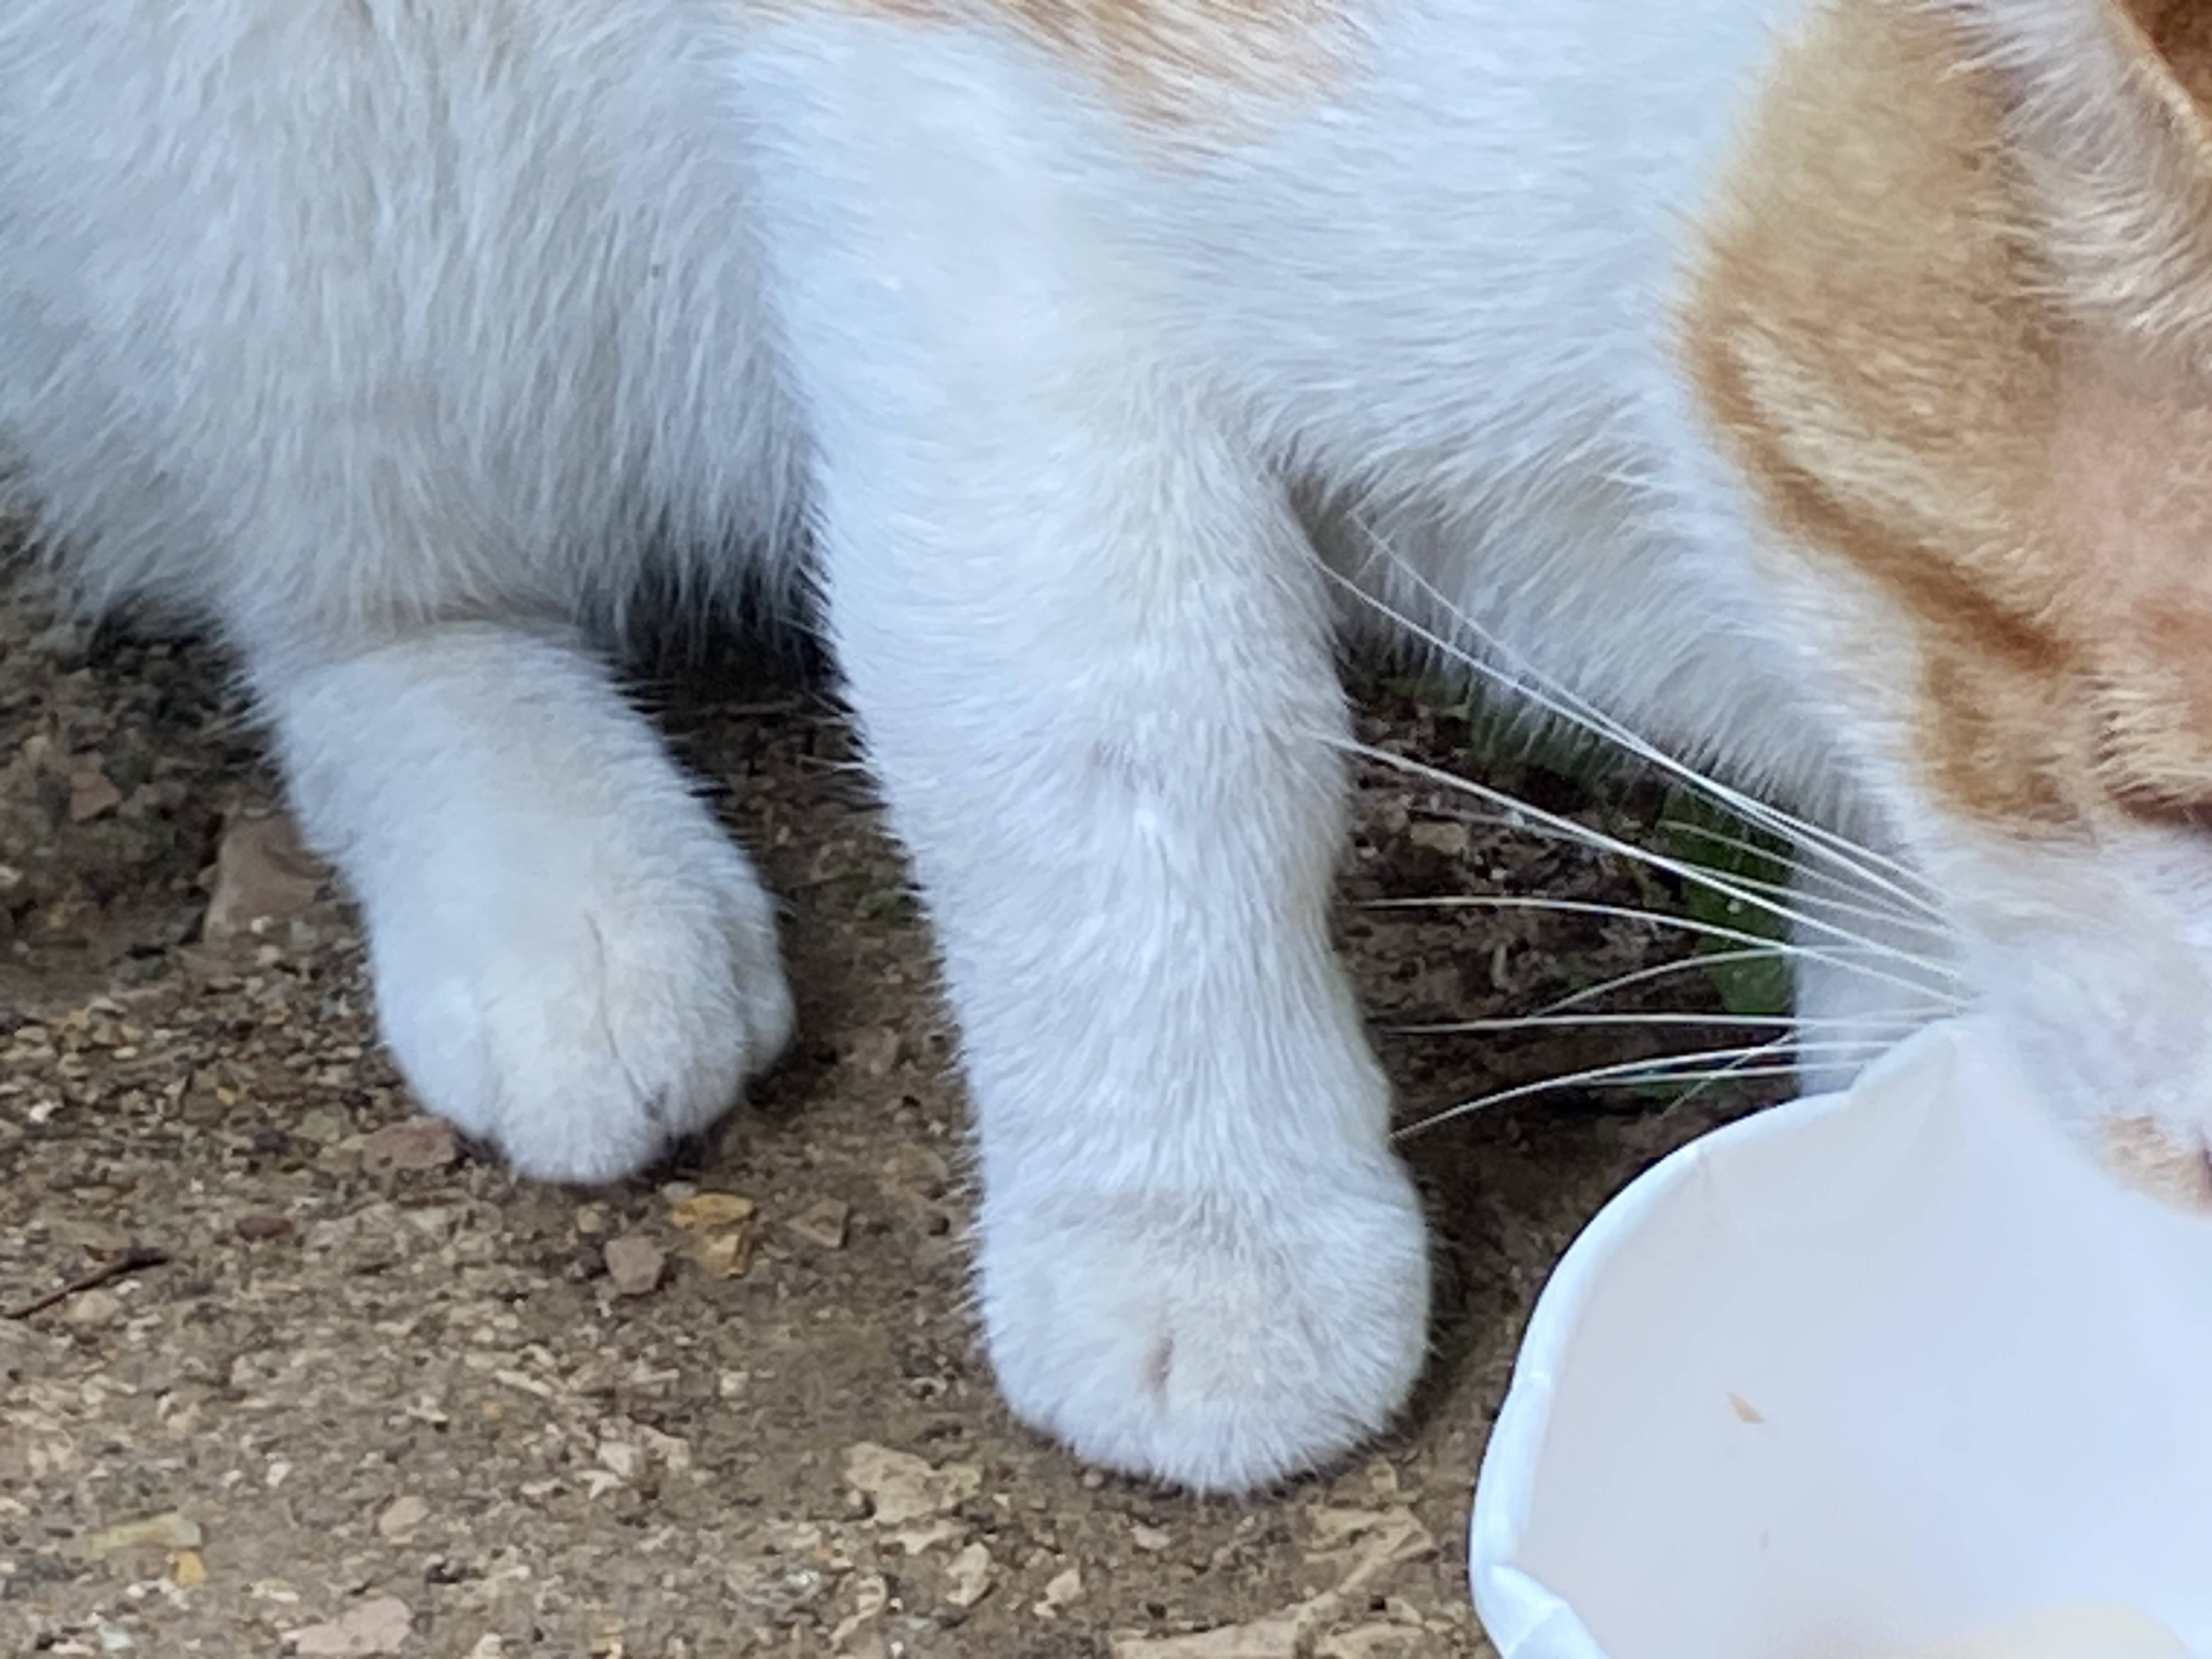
pixel 1816 386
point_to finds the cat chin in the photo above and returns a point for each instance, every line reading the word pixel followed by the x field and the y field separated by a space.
pixel 2090 958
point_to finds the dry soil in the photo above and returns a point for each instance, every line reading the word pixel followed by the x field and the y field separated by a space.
pixel 382 1397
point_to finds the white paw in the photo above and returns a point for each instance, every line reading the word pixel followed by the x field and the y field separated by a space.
pixel 582 1001
pixel 1221 1340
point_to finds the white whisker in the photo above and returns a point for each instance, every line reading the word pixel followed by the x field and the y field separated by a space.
pixel 1830 908
pixel 1658 860
pixel 1700 1081
pixel 1628 1072
pixel 1627 913
pixel 1516 818
pixel 1703 960
pixel 1735 1071
pixel 1532 684
pixel 1794 887
pixel 1903 1023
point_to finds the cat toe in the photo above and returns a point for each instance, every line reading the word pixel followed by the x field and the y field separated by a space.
pixel 1221 1341
pixel 612 1024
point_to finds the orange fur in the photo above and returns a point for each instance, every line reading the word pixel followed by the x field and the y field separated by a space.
pixel 1167 59
pixel 1960 383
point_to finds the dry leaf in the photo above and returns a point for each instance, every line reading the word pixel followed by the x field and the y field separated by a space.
pixel 1371 1543
pixel 824 1222
pixel 1263 1639
pixel 927 1537
pixel 968 1577
pixel 723 1229
pixel 722 1256
pixel 262 872
pixel 1061 1590
pixel 187 1569
pixel 713 1210
pixel 170 1530
pixel 377 1626
pixel 634 1263
pixel 419 1143
pixel 871 1594
pixel 904 1488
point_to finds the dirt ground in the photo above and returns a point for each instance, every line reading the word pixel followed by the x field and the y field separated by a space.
pixel 381 1397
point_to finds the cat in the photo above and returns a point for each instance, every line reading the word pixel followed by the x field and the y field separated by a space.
pixel 1816 387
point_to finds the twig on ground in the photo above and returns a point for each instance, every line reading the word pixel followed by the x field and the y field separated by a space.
pixel 136 1259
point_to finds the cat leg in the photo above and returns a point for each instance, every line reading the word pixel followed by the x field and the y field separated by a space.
pixel 1089 654
pixel 571 960
pixel 1101 710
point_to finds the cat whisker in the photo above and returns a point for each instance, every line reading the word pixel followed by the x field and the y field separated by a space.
pixel 1793 888
pixel 1517 820
pixel 1527 682
pixel 1682 867
pixel 1707 960
pixel 1666 1069
pixel 1628 913
pixel 1901 1026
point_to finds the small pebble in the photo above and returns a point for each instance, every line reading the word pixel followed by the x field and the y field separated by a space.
pixel 400 1518
pixel 93 1309
pixel 968 1577
pixel 420 1143
pixel 375 1626
pixel 91 795
pixel 634 1263
pixel 1060 1590
pixel 824 1222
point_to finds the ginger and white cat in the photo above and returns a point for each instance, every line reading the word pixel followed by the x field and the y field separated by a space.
pixel 1818 386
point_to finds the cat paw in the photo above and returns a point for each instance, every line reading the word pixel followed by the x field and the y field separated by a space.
pixel 1219 1340
pixel 582 1013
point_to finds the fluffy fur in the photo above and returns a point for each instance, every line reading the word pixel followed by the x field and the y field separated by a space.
pixel 405 340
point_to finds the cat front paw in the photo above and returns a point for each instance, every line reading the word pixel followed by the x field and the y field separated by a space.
pixel 582 1014
pixel 1218 1340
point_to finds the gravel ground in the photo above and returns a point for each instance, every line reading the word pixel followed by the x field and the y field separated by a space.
pixel 382 1397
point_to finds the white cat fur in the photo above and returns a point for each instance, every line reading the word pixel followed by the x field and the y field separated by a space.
pixel 409 339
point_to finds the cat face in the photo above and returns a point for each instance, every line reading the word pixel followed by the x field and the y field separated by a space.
pixel 1953 324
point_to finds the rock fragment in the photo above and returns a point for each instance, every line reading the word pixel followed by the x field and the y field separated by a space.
pixel 634 1263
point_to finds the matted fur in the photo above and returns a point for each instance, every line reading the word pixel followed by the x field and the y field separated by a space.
pixel 1817 388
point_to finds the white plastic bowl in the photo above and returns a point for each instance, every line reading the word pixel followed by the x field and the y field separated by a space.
pixel 1859 1373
